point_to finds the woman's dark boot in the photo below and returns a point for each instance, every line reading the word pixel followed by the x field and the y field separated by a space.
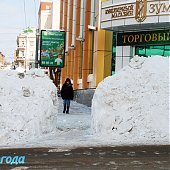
pixel 64 109
pixel 67 111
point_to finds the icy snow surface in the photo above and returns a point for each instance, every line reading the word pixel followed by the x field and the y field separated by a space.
pixel 132 107
pixel 28 106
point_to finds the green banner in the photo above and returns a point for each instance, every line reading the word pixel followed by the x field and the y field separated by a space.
pixel 52 48
pixel 141 38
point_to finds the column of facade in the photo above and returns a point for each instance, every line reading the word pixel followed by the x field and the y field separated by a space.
pixel 85 66
pixel 61 14
pixel 64 70
pixel 77 47
pixel 102 51
pixel 102 55
pixel 70 50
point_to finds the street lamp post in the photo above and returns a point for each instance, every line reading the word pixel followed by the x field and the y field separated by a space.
pixel 26 53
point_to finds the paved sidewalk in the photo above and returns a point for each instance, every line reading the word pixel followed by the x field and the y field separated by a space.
pixel 78 118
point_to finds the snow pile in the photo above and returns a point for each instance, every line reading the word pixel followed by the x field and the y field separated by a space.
pixel 132 107
pixel 20 69
pixel 28 105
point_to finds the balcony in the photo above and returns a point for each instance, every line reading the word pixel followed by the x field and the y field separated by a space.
pixel 20 58
pixel 21 47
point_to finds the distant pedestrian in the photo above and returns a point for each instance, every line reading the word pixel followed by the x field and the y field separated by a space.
pixel 67 94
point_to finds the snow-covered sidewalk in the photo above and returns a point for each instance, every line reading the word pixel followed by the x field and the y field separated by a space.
pixel 78 118
pixel 72 130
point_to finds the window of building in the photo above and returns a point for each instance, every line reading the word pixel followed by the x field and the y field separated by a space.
pixel 47 7
pixel 80 60
pixel 31 53
pixel 31 43
pixel 22 53
pixel 91 52
pixel 23 43
pixel 151 50
pixel 82 15
pixel 167 50
pixel 114 54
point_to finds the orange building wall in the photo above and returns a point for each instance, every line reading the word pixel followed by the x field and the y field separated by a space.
pixel 64 70
pixel 70 51
pixel 78 59
pixel 72 62
pixel 43 6
pixel 85 69
pixel 77 48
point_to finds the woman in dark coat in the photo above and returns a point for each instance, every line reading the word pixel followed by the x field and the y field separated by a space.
pixel 67 94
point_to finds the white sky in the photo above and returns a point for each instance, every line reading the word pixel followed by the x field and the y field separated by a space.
pixel 12 22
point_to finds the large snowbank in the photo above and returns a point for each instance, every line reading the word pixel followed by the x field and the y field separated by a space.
pixel 28 106
pixel 132 107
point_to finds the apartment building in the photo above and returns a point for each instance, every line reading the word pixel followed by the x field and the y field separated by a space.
pixel 49 19
pixel 49 14
pixel 26 48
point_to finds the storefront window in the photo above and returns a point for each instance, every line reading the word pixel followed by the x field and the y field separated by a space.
pixel 80 60
pixel 91 43
pixel 167 50
pixel 114 54
pixel 161 50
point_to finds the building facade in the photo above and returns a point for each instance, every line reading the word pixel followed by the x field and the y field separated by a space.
pixel 49 19
pixel 103 35
pixel 140 27
pixel 26 48
pixel 49 14
pixel 88 48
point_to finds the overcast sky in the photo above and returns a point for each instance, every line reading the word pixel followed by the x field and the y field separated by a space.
pixel 12 22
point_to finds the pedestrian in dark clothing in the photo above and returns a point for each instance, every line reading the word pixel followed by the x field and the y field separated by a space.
pixel 67 94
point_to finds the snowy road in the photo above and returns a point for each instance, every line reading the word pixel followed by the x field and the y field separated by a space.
pixel 89 158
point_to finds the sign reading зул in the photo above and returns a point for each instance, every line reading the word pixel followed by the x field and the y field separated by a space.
pixel 52 48
pixel 147 37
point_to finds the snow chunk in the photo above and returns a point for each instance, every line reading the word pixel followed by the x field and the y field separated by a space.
pixel 36 73
pixel 28 106
pixel 133 105
pixel 20 69
pixel 136 62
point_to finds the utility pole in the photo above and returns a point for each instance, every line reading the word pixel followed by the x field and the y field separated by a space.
pixel 26 53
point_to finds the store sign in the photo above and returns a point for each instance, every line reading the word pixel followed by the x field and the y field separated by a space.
pixel 120 11
pixel 52 48
pixel 139 38
pixel 140 10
